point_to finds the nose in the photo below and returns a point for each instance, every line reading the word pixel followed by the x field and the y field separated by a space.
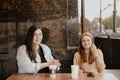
pixel 37 36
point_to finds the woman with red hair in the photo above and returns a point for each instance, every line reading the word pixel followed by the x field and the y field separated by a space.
pixel 88 57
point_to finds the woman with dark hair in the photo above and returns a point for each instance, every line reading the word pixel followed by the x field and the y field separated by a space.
pixel 88 57
pixel 33 56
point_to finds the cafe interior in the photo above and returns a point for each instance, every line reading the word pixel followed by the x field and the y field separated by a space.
pixel 62 23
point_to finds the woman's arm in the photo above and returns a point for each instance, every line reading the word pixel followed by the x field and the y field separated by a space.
pixel 52 62
pixel 100 64
pixel 25 65
pixel 76 59
pixel 99 60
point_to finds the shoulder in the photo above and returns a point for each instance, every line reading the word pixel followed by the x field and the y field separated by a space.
pixel 99 51
pixel 44 46
pixel 22 47
pixel 21 51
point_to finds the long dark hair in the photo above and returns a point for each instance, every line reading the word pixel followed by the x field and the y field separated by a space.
pixel 29 42
pixel 82 51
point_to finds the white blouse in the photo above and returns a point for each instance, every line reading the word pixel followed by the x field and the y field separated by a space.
pixel 25 65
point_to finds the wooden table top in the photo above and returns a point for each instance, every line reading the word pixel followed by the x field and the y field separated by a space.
pixel 62 76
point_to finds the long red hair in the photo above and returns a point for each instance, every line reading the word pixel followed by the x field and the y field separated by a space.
pixel 82 51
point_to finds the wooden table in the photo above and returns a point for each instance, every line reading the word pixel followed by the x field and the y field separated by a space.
pixel 62 76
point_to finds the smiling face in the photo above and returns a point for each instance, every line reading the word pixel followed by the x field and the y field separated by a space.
pixel 86 42
pixel 38 36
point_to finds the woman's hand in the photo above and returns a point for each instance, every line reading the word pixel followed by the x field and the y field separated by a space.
pixel 94 49
pixel 55 62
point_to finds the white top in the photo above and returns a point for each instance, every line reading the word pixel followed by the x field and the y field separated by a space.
pixel 25 65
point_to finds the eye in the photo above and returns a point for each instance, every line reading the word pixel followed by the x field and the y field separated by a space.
pixel 88 39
